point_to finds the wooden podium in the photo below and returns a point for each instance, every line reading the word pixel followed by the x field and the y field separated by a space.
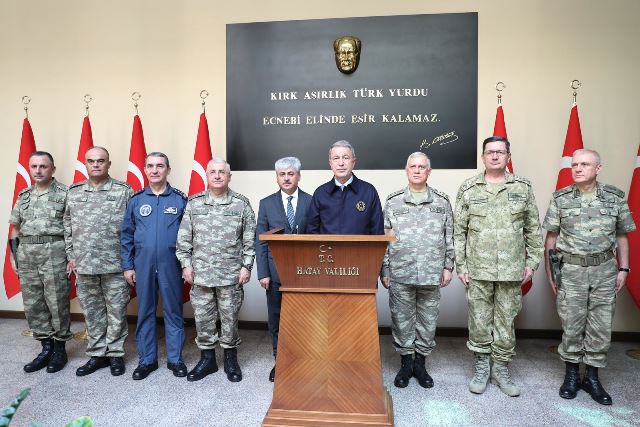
pixel 328 370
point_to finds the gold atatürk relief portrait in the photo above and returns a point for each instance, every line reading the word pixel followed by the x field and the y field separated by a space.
pixel 347 50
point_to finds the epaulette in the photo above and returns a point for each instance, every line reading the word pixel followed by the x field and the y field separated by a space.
pixel 395 193
pixel 179 193
pixel 197 195
pixel 137 192
pixel 77 184
pixel 440 193
pixel 522 179
pixel 239 196
pixel 122 183
pixel 468 183
pixel 563 191
pixel 614 190
pixel 61 186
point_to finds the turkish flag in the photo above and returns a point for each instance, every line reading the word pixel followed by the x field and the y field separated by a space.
pixel 135 172
pixel 81 174
pixel 633 281
pixel 198 182
pixel 500 129
pixel 572 142
pixel 23 180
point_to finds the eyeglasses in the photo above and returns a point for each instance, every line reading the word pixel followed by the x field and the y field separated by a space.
pixel 495 152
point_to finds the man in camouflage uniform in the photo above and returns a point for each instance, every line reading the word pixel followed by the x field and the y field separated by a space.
pixel 498 245
pixel 416 265
pixel 92 221
pixel 37 224
pixel 587 224
pixel 216 248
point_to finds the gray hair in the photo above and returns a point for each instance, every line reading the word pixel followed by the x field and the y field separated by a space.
pixel 288 163
pixel 343 143
pixel 157 154
pixel 98 147
pixel 416 155
pixel 219 161
pixel 594 153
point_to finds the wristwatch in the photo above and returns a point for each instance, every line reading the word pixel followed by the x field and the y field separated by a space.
pixel 626 270
pixel 247 266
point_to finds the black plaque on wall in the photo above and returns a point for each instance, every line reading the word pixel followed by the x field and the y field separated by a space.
pixel 415 89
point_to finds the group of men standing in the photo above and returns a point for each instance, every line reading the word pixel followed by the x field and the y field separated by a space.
pixel 155 239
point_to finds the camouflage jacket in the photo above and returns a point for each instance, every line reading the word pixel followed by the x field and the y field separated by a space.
pixel 497 235
pixel 588 226
pixel 40 214
pixel 92 221
pixel 217 237
pixel 424 237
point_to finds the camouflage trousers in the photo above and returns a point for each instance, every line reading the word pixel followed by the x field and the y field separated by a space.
pixel 414 315
pixel 586 302
pixel 104 299
pixel 207 303
pixel 493 307
pixel 45 289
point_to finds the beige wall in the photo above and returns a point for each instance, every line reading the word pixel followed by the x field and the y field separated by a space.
pixel 56 52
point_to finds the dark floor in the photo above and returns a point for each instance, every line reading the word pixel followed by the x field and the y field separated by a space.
pixel 163 400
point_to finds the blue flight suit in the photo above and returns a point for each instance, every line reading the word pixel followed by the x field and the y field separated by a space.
pixel 149 232
pixel 354 210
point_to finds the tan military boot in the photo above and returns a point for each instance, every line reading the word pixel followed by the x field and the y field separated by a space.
pixel 500 377
pixel 480 379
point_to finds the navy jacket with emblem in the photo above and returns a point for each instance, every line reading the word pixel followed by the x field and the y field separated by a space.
pixel 150 229
pixel 354 210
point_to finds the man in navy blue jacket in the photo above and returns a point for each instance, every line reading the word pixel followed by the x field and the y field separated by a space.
pixel 286 209
pixel 346 204
pixel 149 232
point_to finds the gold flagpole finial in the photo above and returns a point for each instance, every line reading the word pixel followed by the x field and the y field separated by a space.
pixel 87 99
pixel 203 95
pixel 575 85
pixel 499 88
pixel 26 100
pixel 136 97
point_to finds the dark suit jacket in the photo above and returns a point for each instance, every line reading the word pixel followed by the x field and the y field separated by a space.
pixel 271 214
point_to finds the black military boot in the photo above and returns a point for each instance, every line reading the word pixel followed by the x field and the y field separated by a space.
pixel 94 363
pixel 420 372
pixel 406 371
pixel 58 358
pixel 231 367
pixel 591 384
pixel 41 359
pixel 207 365
pixel 571 385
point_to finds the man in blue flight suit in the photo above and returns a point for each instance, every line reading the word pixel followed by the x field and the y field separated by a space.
pixel 286 209
pixel 346 204
pixel 149 232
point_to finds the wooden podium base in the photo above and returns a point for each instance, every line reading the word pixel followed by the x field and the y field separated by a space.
pixel 283 417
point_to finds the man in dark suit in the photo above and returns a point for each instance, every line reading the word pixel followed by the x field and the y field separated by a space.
pixel 286 209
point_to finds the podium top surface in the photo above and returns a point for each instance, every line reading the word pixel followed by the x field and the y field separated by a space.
pixel 277 235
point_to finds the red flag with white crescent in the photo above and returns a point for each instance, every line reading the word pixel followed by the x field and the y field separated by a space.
pixel 198 182
pixel 572 142
pixel 136 177
pixel 135 172
pixel 633 280
pixel 500 129
pixel 86 143
pixel 23 180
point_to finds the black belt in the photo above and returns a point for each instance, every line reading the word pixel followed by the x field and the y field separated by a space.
pixel 587 260
pixel 40 239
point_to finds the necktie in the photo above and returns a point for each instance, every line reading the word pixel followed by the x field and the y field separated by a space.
pixel 290 213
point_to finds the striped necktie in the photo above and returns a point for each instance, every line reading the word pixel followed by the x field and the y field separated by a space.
pixel 290 213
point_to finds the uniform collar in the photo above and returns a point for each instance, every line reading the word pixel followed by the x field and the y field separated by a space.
pixel 168 190
pixel 224 200
pixel 49 189
pixel 104 187
pixel 577 192
pixel 508 178
pixel 408 197
pixel 354 184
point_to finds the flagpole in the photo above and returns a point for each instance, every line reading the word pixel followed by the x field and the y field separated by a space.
pixel 203 95
pixel 84 334
pixel 26 100
pixel 136 97
pixel 575 85
pixel 500 86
